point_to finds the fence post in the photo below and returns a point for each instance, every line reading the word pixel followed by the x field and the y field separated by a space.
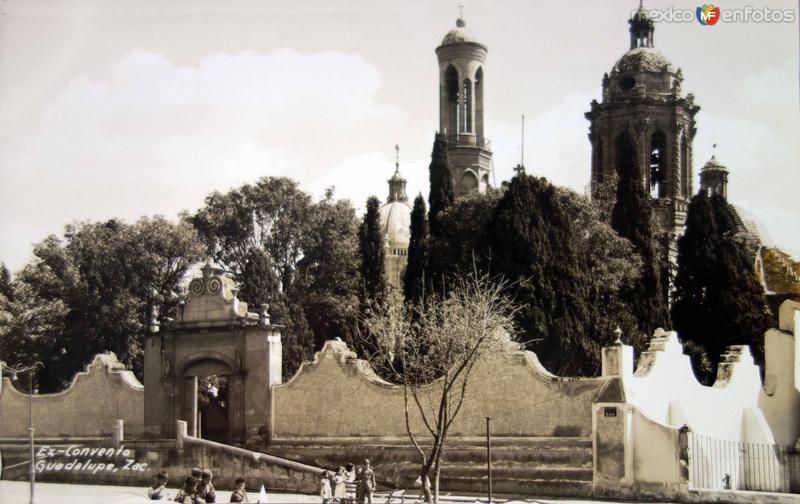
pixel 119 432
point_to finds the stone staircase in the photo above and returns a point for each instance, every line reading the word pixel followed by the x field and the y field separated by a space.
pixel 553 466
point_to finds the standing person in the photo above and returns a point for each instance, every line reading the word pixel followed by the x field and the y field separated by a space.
pixel 350 481
pixel 158 490
pixel 339 488
pixel 239 494
pixel 359 486
pixel 187 494
pixel 205 489
pixel 367 482
pixel 325 487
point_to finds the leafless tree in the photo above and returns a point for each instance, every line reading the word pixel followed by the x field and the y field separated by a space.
pixel 431 350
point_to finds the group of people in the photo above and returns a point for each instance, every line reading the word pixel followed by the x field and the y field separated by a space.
pixel 197 489
pixel 348 484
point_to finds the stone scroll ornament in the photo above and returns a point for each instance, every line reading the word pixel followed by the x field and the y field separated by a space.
pixel 196 287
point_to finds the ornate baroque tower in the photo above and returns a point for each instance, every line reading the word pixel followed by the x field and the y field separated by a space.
pixel 461 59
pixel 644 127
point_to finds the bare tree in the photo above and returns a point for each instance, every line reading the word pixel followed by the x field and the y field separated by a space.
pixel 431 349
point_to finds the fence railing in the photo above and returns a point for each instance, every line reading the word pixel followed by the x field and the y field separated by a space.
pixel 717 464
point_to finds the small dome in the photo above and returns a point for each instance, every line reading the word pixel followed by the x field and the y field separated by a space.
pixel 642 59
pixel 396 223
pixel 713 165
pixel 459 35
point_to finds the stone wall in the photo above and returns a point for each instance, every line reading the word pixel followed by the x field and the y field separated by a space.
pixel 664 388
pixel 90 406
pixel 340 397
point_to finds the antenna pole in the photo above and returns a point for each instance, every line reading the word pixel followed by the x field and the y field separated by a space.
pixel 522 149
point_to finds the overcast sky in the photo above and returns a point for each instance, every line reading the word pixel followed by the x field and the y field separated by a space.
pixel 124 108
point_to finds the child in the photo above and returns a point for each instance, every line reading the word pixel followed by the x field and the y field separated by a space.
pixel 239 495
pixel 205 490
pixel 339 487
pixel 325 487
pixel 188 494
pixel 158 490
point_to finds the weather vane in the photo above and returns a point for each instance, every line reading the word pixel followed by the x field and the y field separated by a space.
pixel 397 157
pixel 461 11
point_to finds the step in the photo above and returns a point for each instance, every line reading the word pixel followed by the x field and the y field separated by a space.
pixel 520 486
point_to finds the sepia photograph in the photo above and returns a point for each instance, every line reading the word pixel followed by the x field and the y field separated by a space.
pixel 399 252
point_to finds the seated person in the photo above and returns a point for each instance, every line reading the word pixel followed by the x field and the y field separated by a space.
pixel 239 494
pixel 158 490
pixel 188 494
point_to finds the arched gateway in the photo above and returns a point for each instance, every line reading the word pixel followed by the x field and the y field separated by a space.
pixel 213 335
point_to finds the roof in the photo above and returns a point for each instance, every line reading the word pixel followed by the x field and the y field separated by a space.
pixel 779 273
pixel 460 35
pixel 396 223
pixel 713 165
pixel 642 59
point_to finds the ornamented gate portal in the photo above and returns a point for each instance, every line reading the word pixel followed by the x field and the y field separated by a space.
pixel 213 334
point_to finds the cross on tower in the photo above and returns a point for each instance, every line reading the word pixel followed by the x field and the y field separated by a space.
pixel 397 157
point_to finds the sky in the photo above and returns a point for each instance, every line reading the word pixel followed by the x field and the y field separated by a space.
pixel 125 108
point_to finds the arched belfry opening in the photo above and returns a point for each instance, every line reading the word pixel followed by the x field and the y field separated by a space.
pixel 625 162
pixel 213 342
pixel 467 107
pixel 658 165
pixel 451 100
pixel 685 172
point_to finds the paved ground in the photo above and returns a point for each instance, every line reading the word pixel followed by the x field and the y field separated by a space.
pixel 16 492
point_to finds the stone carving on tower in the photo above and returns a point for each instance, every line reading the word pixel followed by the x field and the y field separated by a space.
pixel 644 127
pixel 461 79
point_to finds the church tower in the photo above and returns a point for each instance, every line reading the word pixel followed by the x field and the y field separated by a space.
pixel 461 60
pixel 644 128
pixel 396 227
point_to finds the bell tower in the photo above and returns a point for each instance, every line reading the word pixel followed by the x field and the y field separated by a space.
pixel 644 127
pixel 461 79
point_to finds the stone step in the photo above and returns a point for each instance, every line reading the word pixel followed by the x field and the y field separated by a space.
pixel 504 471
pixel 520 487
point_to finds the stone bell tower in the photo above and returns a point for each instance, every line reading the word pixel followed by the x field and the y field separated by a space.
pixel 461 60
pixel 644 128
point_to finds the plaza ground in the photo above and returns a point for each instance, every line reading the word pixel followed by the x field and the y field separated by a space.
pixel 16 492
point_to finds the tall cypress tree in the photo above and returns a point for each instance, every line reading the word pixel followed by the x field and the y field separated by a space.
pixel 414 278
pixel 632 219
pixel 259 283
pixel 717 299
pixel 528 241
pixel 373 269
pixel 442 192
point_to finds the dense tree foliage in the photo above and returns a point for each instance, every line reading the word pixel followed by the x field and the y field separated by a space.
pixel 91 292
pixel 442 191
pixel 717 299
pixel 310 247
pixel 567 267
pixel 414 277
pixel 632 218
pixel 373 268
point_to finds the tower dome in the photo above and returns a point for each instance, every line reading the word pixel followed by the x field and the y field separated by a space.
pixel 460 35
pixel 396 228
